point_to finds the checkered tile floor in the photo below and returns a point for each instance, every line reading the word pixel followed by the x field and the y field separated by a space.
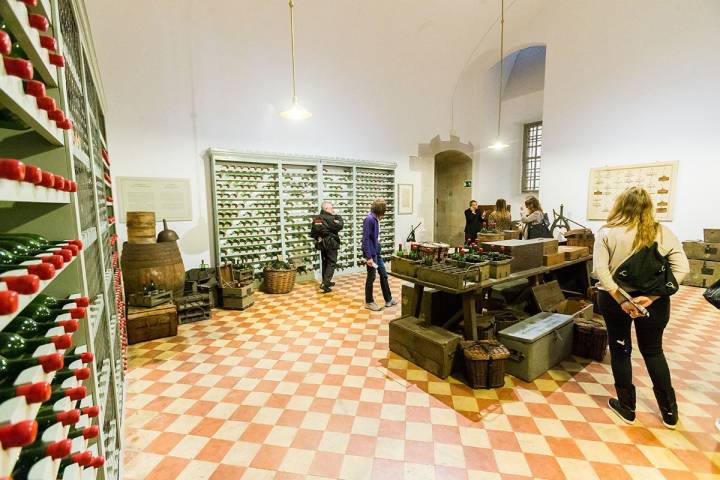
pixel 303 386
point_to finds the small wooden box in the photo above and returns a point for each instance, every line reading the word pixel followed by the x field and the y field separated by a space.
pixel 702 273
pixel 490 237
pixel 145 324
pixel 407 300
pixel 573 253
pixel 526 254
pixel 511 234
pixel 238 303
pixel 152 299
pixel 438 307
pixel 237 291
pixel 553 259
pixel 711 235
pixel 582 237
pixel 500 269
pixel 550 245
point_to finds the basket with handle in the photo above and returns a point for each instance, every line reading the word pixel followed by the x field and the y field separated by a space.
pixel 279 280
pixel 485 363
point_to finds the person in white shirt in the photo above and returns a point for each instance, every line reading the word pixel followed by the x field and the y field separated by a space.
pixel 630 227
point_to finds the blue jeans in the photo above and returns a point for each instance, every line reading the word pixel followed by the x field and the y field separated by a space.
pixel 370 280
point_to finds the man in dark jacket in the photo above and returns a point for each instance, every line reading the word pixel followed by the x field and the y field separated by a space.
pixel 473 223
pixel 325 229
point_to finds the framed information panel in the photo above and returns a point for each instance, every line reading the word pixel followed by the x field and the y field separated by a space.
pixel 169 198
pixel 607 182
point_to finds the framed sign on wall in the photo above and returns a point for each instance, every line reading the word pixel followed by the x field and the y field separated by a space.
pixel 607 182
pixel 405 199
pixel 169 198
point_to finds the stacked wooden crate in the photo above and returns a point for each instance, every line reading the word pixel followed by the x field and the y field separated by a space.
pixel 704 259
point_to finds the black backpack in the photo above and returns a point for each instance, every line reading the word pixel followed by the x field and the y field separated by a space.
pixel 540 230
pixel 648 271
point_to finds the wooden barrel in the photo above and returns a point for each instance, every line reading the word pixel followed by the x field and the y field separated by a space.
pixel 159 262
pixel 141 227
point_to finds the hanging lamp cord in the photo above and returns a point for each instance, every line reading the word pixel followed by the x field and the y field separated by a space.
pixel 292 46
pixel 502 47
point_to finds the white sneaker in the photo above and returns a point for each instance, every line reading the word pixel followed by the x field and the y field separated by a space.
pixel 391 303
pixel 373 306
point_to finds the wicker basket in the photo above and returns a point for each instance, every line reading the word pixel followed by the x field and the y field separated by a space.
pixel 485 362
pixel 279 281
pixel 590 339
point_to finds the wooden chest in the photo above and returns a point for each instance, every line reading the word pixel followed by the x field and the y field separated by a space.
pixel 432 348
pixel 711 235
pixel 526 254
pixel 702 273
pixel 702 251
pixel 407 300
pixel 511 234
pixel 145 324
pixel 582 237
pixel 590 338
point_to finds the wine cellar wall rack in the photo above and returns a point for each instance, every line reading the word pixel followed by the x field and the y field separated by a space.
pixel 52 126
pixel 264 203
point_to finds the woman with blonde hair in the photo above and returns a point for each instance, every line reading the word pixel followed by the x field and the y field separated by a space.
pixel 631 229
pixel 500 218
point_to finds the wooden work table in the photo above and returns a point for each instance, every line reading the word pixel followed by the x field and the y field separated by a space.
pixel 473 294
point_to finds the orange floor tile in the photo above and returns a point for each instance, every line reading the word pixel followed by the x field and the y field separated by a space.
pixel 303 386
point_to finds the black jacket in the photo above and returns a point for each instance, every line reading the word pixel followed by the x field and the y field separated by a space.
pixel 473 222
pixel 325 229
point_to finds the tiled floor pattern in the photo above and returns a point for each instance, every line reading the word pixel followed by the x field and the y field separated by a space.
pixel 303 386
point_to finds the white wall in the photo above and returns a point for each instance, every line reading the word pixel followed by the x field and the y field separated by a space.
pixel 625 82
pixel 184 75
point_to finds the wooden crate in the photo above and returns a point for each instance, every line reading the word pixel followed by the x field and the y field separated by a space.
pixel 238 303
pixel 407 300
pixel 703 273
pixel 526 254
pixel 582 237
pixel 702 250
pixel 573 253
pixel 237 291
pixel 490 237
pixel 445 275
pixel 511 234
pixel 483 269
pixel 145 324
pixel 152 299
pixel 711 235
pixel 553 259
pixel 194 307
pixel 432 348
pixel 500 269
pixel 404 266
pixel 438 307
pixel 549 298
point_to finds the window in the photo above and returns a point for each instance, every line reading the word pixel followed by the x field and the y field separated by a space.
pixel 532 153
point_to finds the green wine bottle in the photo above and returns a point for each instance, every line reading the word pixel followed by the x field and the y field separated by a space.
pixel 31 455
pixel 29 328
pixel 8 258
pixel 53 302
pixel 33 392
pixel 46 420
pixel 13 345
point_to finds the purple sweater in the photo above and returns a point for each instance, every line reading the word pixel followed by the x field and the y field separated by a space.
pixel 371 237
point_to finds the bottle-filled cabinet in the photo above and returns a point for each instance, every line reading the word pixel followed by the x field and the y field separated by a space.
pixel 62 312
pixel 264 203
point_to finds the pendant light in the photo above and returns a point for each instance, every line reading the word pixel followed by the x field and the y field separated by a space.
pixel 499 144
pixel 296 111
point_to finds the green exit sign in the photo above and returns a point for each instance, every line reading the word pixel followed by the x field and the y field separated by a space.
pixel 467 183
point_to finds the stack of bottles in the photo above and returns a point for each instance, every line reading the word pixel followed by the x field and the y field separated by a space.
pixel 17 64
pixel 11 169
pixel 45 412
pixel 27 259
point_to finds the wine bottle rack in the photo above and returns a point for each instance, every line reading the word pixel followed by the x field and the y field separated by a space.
pixel 264 204
pixel 80 154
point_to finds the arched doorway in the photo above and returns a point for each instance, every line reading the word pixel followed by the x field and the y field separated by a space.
pixel 453 192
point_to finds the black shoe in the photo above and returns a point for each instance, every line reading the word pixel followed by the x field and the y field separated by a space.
pixel 325 289
pixel 332 284
pixel 624 404
pixel 668 407
pixel 626 414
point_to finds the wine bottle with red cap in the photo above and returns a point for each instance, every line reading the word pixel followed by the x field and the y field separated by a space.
pixel 8 258
pixel 87 433
pixel 38 242
pixel 22 284
pixel 82 373
pixel 12 169
pixel 10 367
pixel 44 271
pixel 29 328
pixel 85 357
pixel 39 312
pixel 33 392
pixel 54 302
pixel 46 418
pixel 13 345
pixel 32 454
pixel 74 393
pixel 18 434
pixel 83 459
